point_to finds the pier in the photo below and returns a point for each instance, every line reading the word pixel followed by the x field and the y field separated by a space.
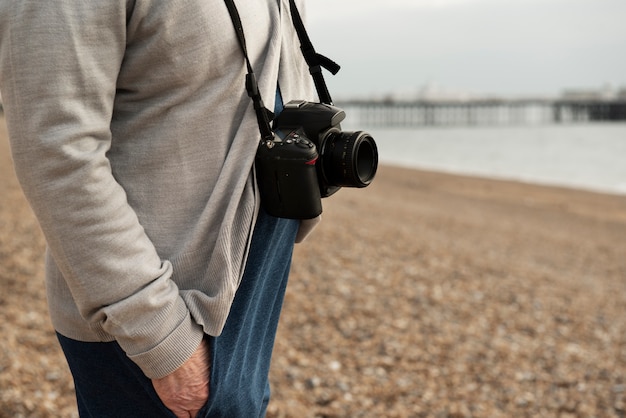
pixel 482 112
pixel 386 113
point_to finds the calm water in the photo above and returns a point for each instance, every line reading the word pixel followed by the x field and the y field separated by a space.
pixel 587 156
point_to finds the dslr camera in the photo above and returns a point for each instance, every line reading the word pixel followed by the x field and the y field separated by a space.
pixel 309 158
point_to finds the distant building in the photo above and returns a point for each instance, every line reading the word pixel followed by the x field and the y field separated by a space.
pixel 607 92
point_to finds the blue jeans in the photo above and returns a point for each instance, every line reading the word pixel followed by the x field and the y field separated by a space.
pixel 108 384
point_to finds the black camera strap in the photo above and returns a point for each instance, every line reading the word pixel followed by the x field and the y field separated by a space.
pixel 314 60
pixel 263 115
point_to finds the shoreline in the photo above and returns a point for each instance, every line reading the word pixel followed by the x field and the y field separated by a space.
pixel 619 191
pixel 579 156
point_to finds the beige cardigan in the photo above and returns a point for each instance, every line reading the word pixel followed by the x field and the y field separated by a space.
pixel 134 140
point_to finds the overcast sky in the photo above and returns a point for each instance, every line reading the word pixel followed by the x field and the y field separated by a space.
pixel 503 47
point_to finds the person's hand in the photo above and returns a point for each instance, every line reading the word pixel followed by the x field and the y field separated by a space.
pixel 186 390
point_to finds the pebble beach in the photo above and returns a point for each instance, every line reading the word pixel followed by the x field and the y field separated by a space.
pixel 423 295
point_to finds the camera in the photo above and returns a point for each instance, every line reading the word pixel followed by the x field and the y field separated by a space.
pixel 309 158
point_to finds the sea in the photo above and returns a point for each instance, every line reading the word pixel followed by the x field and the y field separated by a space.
pixel 590 156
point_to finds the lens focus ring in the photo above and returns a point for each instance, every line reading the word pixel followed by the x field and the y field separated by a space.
pixel 349 159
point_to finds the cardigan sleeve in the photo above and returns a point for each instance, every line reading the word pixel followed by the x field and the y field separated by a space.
pixel 59 63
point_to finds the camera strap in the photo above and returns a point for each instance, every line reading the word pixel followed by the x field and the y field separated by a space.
pixel 314 60
pixel 263 115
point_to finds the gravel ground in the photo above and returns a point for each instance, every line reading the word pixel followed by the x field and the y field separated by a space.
pixel 424 295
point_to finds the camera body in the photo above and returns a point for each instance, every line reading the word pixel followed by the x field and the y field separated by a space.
pixel 310 158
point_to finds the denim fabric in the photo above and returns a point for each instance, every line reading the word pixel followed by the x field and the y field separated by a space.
pixel 108 384
pixel 242 353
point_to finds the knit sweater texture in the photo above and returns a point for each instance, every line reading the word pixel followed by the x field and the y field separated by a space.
pixel 134 140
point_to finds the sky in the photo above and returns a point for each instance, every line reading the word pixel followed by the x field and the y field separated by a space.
pixel 470 47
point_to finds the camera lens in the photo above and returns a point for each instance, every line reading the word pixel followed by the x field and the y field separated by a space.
pixel 349 159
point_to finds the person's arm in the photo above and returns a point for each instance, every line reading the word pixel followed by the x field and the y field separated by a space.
pixel 58 67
